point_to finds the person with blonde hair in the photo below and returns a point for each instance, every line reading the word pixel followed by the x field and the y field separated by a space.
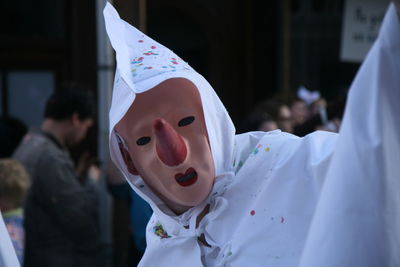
pixel 14 183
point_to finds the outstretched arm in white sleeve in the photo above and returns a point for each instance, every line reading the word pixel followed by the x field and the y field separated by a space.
pixel 357 221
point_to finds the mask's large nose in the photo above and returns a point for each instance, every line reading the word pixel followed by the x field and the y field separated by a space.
pixel 171 148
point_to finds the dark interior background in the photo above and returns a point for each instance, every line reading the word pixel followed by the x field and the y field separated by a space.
pixel 248 50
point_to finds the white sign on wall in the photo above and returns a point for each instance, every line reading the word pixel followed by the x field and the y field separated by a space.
pixel 361 23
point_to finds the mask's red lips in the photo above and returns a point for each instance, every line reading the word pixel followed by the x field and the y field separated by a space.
pixel 187 179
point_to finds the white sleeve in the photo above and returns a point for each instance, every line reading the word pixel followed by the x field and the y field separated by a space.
pixel 357 221
pixel 8 258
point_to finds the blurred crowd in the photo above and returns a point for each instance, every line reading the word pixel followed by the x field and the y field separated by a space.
pixel 300 113
pixel 50 200
pixel 50 195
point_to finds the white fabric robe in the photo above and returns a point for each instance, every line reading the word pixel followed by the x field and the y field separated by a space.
pixel 278 200
pixel 357 222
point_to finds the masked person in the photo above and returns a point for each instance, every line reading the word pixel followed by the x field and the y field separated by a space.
pixel 250 200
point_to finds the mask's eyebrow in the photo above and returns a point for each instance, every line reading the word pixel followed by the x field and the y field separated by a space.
pixel 120 140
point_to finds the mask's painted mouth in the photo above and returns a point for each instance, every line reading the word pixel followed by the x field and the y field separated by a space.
pixel 187 179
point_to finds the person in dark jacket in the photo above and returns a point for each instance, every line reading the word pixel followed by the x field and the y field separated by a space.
pixel 61 211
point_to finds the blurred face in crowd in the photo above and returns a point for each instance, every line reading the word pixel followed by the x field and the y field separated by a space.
pixel 78 129
pixel 299 112
pixel 268 126
pixel 285 119
pixel 165 141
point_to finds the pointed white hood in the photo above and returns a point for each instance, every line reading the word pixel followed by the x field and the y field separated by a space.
pixel 142 63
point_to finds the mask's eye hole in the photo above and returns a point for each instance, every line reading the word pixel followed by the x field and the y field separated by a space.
pixel 143 140
pixel 186 121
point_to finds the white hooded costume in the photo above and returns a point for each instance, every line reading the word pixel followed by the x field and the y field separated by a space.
pixel 278 200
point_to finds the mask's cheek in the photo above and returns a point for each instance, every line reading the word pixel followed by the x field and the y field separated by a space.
pixel 128 160
pixel 152 172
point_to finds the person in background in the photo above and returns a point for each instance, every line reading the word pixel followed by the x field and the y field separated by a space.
pixel 323 116
pixel 258 121
pixel 279 112
pixel 267 116
pixel 299 111
pixel 285 119
pixel 14 182
pixel 61 210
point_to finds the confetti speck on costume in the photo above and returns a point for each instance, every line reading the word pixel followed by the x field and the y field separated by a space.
pixel 159 231
pixel 257 149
